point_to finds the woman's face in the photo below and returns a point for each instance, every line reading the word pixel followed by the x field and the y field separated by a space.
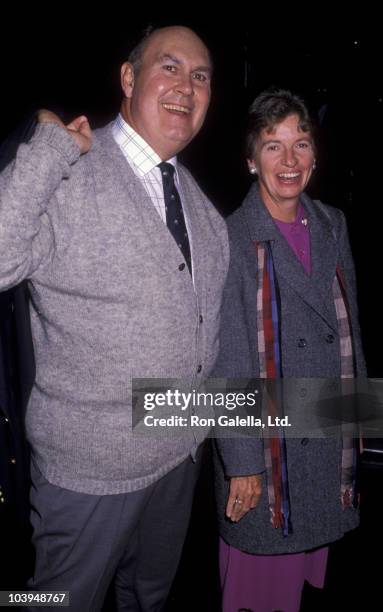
pixel 284 159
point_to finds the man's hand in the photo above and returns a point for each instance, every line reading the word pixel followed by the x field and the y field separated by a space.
pixel 244 494
pixel 79 128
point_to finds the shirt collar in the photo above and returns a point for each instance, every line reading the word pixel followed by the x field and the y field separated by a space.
pixel 136 149
pixel 300 217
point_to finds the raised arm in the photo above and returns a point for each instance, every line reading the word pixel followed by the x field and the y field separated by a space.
pixel 27 186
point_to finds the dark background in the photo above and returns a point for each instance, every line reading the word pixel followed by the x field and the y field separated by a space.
pixel 70 63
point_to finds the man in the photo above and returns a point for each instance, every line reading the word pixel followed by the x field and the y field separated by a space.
pixel 114 296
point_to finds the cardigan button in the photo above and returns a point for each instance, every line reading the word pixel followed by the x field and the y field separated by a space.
pixel 181 267
pixel 330 338
pixel 304 441
pixel 302 343
pixel 200 318
pixel 199 369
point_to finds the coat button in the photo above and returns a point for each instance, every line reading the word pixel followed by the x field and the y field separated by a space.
pixel 200 318
pixel 199 369
pixel 302 343
pixel 304 441
pixel 330 338
pixel 181 267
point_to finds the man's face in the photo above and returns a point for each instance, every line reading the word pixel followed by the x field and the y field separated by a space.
pixel 166 102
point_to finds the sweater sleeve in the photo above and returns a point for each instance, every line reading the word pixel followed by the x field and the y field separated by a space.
pixel 27 185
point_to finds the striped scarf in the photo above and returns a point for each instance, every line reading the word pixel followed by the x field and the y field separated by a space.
pixel 350 448
pixel 270 368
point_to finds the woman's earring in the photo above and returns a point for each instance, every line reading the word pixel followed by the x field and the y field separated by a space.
pixel 253 170
pixel 314 165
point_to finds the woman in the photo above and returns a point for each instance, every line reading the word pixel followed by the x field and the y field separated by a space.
pixel 290 310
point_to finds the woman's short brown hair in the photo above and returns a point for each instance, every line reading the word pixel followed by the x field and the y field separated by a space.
pixel 270 108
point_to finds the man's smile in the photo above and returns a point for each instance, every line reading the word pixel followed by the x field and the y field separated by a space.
pixel 176 108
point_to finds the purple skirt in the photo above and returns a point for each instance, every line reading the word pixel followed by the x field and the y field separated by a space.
pixel 263 583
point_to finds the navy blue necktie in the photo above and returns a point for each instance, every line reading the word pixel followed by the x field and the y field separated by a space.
pixel 174 214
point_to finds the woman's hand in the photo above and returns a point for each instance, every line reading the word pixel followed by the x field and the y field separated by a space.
pixel 245 492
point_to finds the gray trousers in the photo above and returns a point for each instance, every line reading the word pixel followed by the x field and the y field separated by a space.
pixel 82 541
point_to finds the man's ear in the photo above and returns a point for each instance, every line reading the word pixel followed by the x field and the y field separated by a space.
pixel 127 79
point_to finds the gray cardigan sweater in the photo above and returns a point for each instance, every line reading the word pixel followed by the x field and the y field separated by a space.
pixel 109 303
pixel 310 349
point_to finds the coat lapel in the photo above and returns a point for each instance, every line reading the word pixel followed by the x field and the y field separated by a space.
pixel 153 229
pixel 314 289
pixel 198 248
